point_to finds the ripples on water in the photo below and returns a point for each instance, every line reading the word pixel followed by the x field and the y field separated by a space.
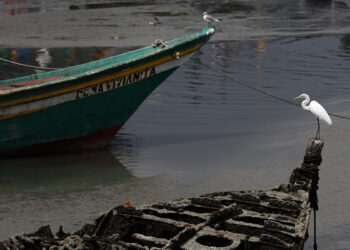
pixel 199 131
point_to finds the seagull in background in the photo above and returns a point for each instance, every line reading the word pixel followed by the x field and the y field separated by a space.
pixel 210 19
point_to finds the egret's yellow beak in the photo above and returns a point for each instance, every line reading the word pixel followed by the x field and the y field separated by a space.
pixel 297 97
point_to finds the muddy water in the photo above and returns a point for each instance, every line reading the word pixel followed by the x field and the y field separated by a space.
pixel 199 131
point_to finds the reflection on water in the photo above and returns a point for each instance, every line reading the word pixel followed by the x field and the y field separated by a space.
pixel 59 189
pixel 346 43
pixel 15 7
pixel 49 57
pixel 67 173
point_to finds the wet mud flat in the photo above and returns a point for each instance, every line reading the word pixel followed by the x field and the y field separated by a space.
pixel 138 23
pixel 273 219
pixel 85 23
pixel 119 26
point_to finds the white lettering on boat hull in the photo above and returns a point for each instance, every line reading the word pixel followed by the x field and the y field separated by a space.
pixel 71 96
pixel 115 83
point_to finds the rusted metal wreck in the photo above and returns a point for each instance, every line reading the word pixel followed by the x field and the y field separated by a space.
pixel 270 219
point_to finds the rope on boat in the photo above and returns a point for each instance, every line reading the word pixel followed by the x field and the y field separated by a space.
pixel 26 65
pixel 257 89
pixel 156 43
pixel 159 43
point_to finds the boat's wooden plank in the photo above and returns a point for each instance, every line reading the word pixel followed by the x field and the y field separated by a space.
pixel 168 225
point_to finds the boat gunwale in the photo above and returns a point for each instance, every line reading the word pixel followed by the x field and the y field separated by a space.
pixel 207 31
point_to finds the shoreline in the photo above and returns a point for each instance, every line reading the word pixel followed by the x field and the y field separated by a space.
pixel 109 27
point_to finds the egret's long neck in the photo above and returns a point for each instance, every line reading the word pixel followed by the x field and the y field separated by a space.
pixel 306 102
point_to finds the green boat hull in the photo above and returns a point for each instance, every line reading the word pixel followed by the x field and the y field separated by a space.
pixel 82 119
pixel 84 110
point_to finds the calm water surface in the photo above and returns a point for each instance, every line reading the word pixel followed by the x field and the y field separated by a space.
pixel 199 131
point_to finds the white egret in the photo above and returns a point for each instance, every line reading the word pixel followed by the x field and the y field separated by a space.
pixel 210 19
pixel 317 110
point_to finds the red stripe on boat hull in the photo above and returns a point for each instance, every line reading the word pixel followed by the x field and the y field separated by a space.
pixel 33 82
pixel 91 141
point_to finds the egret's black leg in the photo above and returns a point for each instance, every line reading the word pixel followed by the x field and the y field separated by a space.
pixel 319 129
pixel 318 134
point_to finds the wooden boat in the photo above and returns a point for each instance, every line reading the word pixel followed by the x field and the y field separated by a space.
pixel 274 219
pixel 82 107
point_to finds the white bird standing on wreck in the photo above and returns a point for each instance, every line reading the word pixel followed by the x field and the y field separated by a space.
pixel 210 19
pixel 317 110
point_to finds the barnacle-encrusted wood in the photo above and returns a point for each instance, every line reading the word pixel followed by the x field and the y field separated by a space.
pixel 272 219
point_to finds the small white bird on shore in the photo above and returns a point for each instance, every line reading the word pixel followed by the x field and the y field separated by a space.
pixel 317 110
pixel 210 19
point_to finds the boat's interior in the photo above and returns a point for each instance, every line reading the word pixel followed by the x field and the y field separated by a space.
pixel 89 68
pixel 76 71
pixel 31 82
